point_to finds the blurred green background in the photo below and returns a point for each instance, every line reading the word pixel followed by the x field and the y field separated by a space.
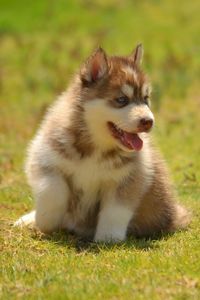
pixel 42 43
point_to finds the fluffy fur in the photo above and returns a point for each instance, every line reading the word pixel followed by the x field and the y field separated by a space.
pixel 84 176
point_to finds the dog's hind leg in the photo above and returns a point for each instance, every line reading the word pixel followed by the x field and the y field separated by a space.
pixel 51 195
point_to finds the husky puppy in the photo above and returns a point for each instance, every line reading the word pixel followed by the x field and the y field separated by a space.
pixel 92 167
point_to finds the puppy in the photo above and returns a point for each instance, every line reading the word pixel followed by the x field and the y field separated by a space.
pixel 92 167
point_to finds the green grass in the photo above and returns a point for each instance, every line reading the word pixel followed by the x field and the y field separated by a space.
pixel 42 44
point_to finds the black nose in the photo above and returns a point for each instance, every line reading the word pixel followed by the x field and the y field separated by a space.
pixel 145 124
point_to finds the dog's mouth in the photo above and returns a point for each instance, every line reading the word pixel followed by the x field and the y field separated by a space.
pixel 129 140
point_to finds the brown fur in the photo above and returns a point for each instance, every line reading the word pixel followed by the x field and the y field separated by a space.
pixel 84 227
pixel 146 189
pixel 115 158
pixel 57 131
pixel 110 87
pixel 157 211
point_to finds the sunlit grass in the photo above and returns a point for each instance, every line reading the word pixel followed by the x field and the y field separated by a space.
pixel 42 44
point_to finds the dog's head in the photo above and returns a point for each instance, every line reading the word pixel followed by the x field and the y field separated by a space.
pixel 116 93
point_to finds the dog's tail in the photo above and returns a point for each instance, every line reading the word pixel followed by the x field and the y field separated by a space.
pixel 26 220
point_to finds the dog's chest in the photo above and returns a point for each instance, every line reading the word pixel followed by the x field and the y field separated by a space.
pixel 92 174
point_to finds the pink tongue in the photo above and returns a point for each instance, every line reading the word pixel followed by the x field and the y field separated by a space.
pixel 133 141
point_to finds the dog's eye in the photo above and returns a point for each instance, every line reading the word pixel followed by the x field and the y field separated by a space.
pixel 122 101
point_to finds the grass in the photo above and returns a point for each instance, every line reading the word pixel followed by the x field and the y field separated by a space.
pixel 42 44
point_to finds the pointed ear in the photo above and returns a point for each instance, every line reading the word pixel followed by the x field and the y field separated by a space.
pixel 96 67
pixel 137 55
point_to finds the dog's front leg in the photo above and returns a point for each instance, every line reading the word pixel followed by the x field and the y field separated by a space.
pixel 113 221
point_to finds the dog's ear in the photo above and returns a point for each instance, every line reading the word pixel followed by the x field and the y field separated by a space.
pixel 136 55
pixel 96 67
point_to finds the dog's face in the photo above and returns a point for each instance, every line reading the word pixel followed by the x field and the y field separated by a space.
pixel 116 96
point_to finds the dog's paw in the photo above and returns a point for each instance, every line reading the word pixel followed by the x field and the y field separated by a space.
pixel 111 238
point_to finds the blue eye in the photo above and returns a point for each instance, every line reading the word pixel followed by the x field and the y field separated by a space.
pixel 122 101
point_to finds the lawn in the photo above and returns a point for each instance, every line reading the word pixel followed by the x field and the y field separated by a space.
pixel 41 44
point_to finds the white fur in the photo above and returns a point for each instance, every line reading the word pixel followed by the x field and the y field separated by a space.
pixel 51 192
pixel 113 222
pixel 136 113
pixel 127 90
pixel 90 174
pixel 98 113
pixel 51 195
pixel 146 89
pixel 71 182
pixel 130 71
pixel 26 220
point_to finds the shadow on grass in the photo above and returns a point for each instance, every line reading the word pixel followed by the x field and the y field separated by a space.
pixel 71 241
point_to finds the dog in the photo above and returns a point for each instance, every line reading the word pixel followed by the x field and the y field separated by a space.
pixel 92 165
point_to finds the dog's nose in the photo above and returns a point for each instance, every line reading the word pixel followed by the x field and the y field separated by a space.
pixel 145 124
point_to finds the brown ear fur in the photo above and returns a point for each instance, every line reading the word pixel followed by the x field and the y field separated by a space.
pixel 96 67
pixel 137 55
